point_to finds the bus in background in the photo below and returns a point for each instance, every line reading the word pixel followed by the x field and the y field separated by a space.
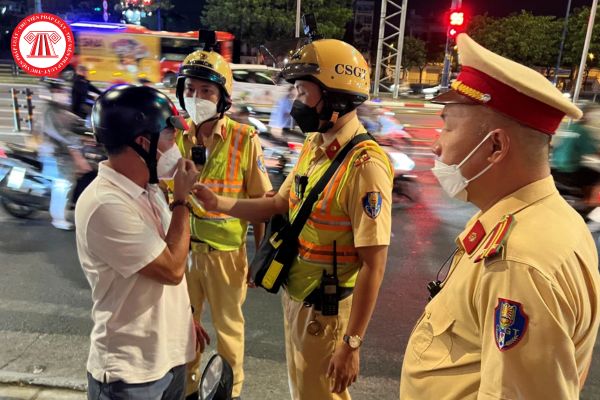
pixel 122 53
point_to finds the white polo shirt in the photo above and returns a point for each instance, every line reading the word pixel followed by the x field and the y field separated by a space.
pixel 142 328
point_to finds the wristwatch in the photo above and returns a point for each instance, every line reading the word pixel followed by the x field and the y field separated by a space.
pixel 177 203
pixel 353 341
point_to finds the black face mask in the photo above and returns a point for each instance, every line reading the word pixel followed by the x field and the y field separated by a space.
pixel 306 117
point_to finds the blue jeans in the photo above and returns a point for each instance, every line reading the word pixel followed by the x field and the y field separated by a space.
pixel 169 387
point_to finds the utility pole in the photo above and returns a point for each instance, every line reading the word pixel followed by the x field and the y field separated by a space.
pixel 586 48
pixel 159 22
pixel 562 43
pixel 298 8
pixel 387 42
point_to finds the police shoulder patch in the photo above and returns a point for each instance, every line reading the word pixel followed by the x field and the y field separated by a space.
pixel 372 204
pixel 260 162
pixel 510 323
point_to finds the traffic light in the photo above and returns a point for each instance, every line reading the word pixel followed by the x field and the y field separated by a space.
pixel 456 22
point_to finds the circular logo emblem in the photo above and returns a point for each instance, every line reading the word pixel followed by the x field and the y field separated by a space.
pixel 42 44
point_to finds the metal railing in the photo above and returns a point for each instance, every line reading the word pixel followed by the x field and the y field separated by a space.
pixel 8 67
pixel 17 119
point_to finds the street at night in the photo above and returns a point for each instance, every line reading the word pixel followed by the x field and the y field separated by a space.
pixel 45 299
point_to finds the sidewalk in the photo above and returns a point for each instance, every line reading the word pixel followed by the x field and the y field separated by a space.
pixel 16 392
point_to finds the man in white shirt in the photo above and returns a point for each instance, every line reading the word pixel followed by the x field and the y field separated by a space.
pixel 133 252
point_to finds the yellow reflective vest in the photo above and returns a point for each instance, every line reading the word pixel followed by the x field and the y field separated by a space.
pixel 223 173
pixel 327 223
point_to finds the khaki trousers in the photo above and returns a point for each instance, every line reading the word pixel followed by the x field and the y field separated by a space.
pixel 219 277
pixel 307 354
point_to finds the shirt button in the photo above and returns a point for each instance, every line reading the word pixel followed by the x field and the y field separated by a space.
pixel 428 315
pixel 334 148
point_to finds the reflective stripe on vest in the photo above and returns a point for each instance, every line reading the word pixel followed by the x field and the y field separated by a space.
pixel 327 223
pixel 224 174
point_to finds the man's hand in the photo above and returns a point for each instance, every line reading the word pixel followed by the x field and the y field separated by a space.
pixel 202 339
pixel 206 196
pixel 343 368
pixel 185 178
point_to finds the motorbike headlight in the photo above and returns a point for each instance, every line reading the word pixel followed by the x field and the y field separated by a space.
pixel 401 162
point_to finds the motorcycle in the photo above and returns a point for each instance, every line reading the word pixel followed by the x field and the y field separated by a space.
pixel 279 162
pixel 24 188
pixel 405 192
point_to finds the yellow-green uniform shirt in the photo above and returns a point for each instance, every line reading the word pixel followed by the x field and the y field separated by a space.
pixel 255 178
pixel 518 324
pixel 369 174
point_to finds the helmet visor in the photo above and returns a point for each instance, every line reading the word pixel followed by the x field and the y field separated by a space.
pixel 199 72
pixel 293 71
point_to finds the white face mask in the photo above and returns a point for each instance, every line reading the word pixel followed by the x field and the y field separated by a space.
pixel 167 163
pixel 200 110
pixel 452 180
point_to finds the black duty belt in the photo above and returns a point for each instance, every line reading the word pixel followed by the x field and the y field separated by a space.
pixel 196 244
pixel 314 298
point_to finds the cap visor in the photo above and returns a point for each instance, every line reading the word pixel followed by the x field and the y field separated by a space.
pixel 452 97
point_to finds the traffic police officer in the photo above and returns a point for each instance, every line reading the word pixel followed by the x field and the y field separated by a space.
pixel 353 214
pixel 517 315
pixel 229 157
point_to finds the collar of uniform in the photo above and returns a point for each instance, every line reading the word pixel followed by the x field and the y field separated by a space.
pixel 121 181
pixel 483 223
pixel 340 139
pixel 220 128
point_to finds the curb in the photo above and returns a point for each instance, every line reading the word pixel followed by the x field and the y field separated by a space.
pixel 407 104
pixel 25 379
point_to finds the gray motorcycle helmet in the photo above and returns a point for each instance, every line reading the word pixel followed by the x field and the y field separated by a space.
pixel 217 380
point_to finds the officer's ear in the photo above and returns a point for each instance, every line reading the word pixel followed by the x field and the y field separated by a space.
pixel 144 142
pixel 500 145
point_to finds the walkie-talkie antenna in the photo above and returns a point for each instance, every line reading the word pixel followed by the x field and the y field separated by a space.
pixel 207 39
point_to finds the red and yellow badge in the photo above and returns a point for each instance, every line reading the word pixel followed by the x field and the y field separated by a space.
pixel 362 158
pixel 372 204
pixel 510 323
pixel 497 238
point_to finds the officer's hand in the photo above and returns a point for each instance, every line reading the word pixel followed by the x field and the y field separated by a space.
pixel 249 279
pixel 206 196
pixel 202 338
pixel 343 368
pixel 184 179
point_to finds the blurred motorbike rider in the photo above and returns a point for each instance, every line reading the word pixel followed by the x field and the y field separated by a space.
pixel 229 157
pixel 567 156
pixel 60 150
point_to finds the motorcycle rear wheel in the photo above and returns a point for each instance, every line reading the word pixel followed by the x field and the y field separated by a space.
pixel 405 193
pixel 15 209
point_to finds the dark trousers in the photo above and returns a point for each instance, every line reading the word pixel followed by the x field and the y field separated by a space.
pixel 169 387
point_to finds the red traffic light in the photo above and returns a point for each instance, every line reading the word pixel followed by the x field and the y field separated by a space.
pixel 457 18
pixel 456 22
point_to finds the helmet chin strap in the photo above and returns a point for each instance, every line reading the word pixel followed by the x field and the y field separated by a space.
pixel 149 157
